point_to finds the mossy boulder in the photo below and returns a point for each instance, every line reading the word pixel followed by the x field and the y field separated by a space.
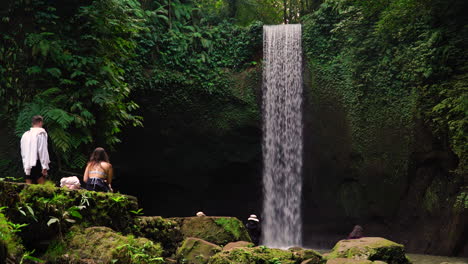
pixel 260 255
pixel 165 231
pixel 217 230
pixel 35 205
pixel 105 246
pixel 370 248
pixel 238 244
pixel 196 251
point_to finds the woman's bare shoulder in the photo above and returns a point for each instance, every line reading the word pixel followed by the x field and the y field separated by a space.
pixel 106 165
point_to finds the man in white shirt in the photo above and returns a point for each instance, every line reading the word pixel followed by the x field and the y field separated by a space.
pixel 34 152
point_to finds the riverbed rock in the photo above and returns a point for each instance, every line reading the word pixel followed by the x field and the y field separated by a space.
pixel 238 244
pixel 196 251
pixel 259 255
pixel 102 245
pixel 217 230
pixel 370 248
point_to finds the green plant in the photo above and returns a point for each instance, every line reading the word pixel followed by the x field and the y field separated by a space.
pixel 16 227
pixel 28 256
pixel 69 215
pixel 275 261
pixel 139 254
pixel 137 212
pixel 30 210
pixel 119 199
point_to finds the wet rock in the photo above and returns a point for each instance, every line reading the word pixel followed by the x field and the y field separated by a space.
pixel 370 248
pixel 217 230
pixel 238 244
pixel 196 251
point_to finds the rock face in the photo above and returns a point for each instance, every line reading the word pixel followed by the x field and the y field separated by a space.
pixel 217 230
pixel 264 255
pixel 103 245
pixel 369 248
pixel 196 251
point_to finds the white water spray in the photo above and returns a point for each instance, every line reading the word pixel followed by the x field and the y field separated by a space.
pixel 282 136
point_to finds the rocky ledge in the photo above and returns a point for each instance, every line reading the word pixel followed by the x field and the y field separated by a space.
pixel 80 227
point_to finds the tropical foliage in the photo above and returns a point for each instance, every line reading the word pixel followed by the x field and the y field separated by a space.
pixel 87 65
pixel 394 62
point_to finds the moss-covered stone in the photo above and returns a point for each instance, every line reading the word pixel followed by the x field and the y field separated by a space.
pixel 309 255
pixel 105 246
pixel 217 230
pixel 165 231
pixel 196 251
pixel 35 205
pixel 370 248
pixel 260 255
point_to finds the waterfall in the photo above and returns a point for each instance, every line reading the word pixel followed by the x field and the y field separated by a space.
pixel 282 136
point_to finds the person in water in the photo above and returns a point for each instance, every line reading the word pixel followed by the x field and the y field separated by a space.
pixel 254 228
pixel 98 173
pixel 34 152
pixel 356 233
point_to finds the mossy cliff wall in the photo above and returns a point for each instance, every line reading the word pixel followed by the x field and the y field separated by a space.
pixel 372 154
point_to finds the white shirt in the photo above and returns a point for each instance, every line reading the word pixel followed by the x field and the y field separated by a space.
pixel 33 148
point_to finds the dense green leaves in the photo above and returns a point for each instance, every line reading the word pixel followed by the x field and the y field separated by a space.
pixel 67 65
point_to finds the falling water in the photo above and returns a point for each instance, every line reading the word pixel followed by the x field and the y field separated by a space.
pixel 282 136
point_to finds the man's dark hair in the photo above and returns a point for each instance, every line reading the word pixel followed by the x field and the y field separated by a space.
pixel 36 119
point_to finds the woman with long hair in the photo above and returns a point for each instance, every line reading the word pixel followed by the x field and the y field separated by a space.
pixel 98 173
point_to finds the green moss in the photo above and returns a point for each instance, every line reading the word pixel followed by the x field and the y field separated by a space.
pixel 165 231
pixel 229 229
pixel 432 197
pixel 196 251
pixel 104 245
pixel 232 225
pixel 55 250
pixel 35 205
pixel 9 238
pixel 261 255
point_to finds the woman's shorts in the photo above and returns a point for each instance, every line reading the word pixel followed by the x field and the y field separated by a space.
pixel 97 184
